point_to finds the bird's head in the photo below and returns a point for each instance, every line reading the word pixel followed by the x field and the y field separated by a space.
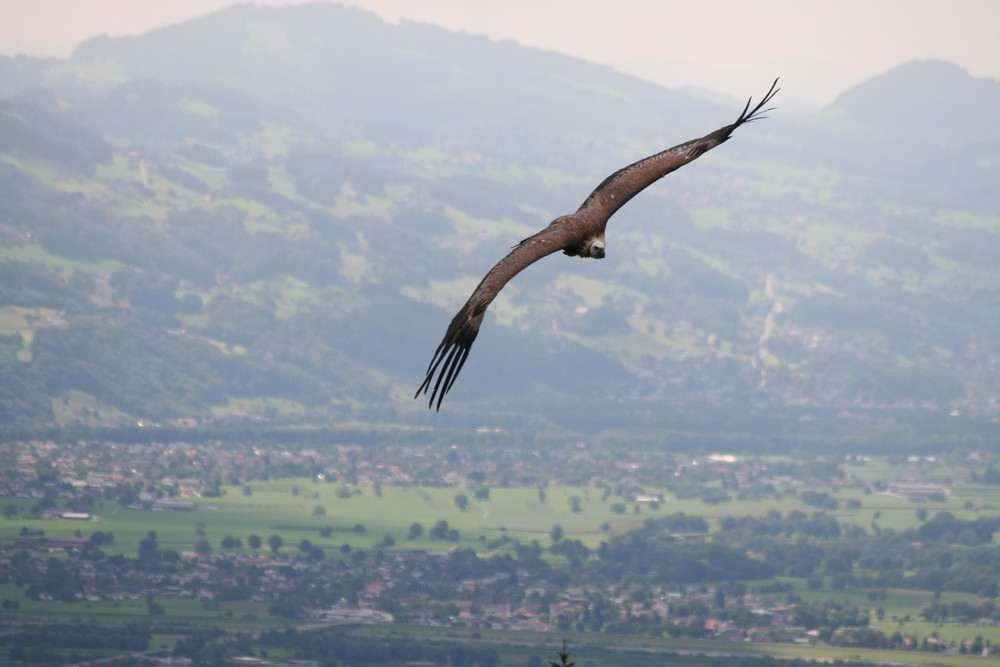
pixel 596 249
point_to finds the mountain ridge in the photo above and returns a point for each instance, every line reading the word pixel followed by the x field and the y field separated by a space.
pixel 429 80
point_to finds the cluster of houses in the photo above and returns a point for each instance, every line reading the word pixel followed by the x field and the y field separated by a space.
pixel 536 606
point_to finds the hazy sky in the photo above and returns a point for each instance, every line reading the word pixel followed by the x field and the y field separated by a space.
pixel 818 47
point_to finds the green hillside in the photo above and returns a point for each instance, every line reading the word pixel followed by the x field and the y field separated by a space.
pixel 278 224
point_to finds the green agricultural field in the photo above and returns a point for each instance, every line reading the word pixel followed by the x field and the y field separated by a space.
pixel 187 611
pixel 901 611
pixel 300 508
pixel 32 252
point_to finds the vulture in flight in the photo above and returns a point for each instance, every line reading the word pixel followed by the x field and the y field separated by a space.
pixel 579 234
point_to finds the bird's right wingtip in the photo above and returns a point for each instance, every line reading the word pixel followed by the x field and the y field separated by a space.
pixel 758 111
pixel 446 364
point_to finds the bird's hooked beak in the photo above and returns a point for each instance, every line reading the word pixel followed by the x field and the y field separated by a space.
pixel 597 249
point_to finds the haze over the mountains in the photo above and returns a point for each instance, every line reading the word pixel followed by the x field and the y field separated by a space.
pixel 275 211
pixel 821 49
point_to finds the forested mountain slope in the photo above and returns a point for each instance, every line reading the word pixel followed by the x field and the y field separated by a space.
pixel 275 213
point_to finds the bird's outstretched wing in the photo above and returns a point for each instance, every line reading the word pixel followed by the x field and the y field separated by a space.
pixel 629 181
pixel 454 348
pixel 567 232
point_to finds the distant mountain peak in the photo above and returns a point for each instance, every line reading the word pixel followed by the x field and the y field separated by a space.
pixel 340 66
pixel 930 98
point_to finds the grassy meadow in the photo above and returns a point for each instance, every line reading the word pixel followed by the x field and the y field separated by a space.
pixel 300 508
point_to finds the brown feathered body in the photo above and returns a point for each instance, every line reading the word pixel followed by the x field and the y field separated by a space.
pixel 579 234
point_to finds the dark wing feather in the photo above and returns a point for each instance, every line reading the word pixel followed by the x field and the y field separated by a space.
pixel 627 182
pixel 454 349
